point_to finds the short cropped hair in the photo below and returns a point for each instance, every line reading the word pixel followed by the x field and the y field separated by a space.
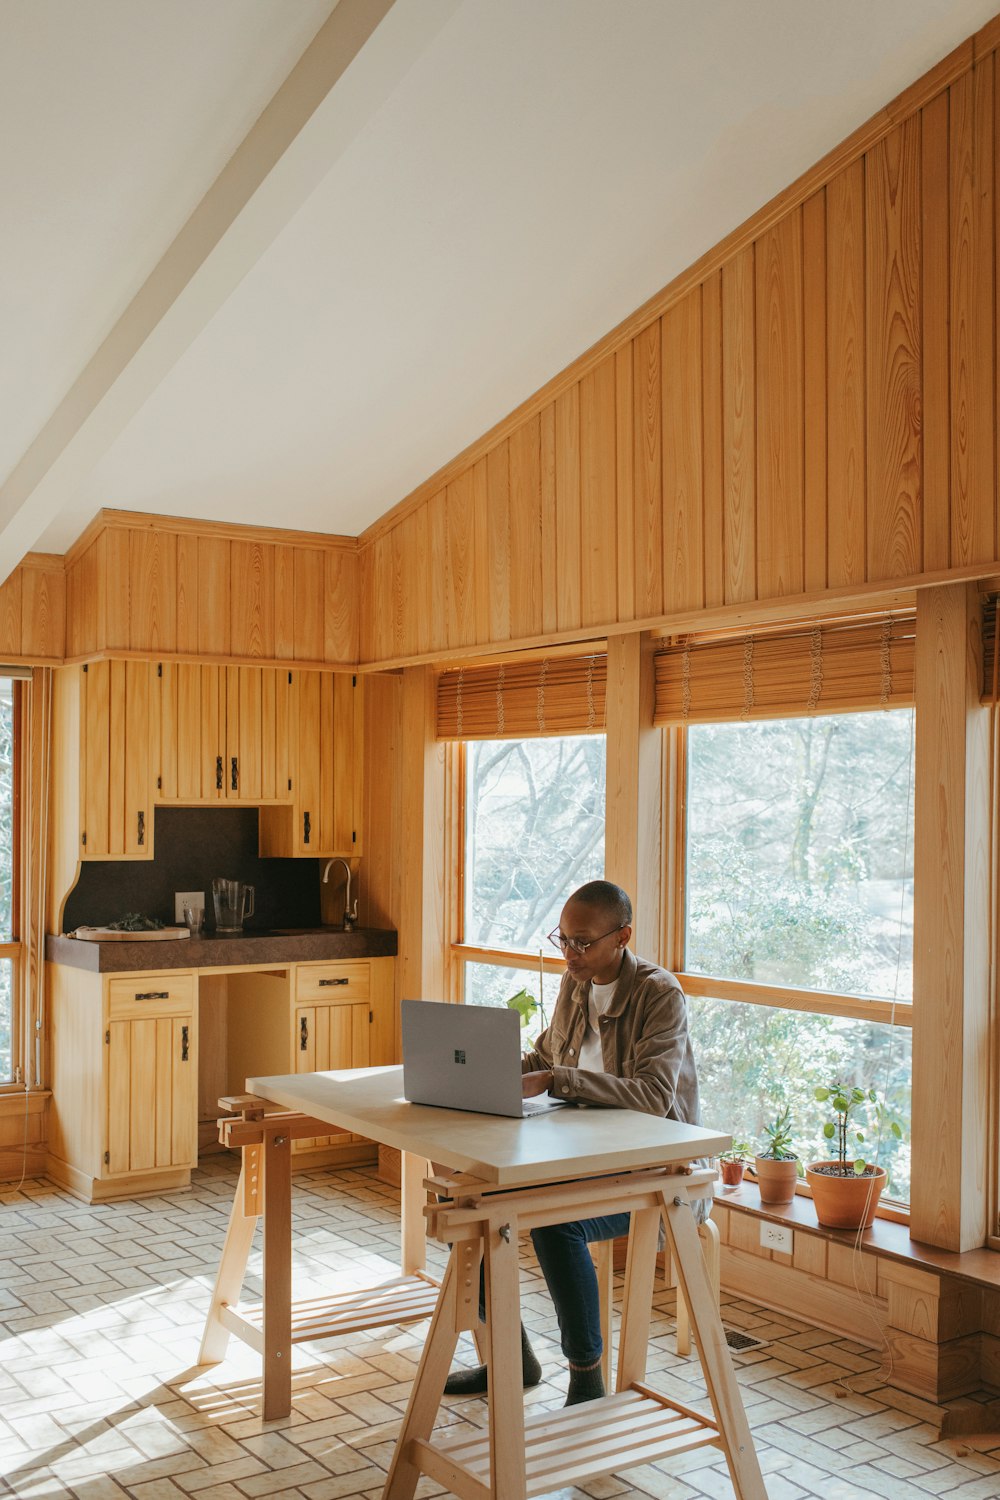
pixel 610 897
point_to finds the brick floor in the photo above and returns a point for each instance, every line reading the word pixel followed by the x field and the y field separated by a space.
pixel 102 1307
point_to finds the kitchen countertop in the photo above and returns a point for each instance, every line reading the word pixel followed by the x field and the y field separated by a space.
pixel 277 947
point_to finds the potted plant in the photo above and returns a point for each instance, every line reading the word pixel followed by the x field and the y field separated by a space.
pixel 733 1161
pixel 846 1192
pixel 777 1166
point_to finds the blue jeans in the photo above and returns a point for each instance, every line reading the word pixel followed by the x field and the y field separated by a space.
pixel 572 1281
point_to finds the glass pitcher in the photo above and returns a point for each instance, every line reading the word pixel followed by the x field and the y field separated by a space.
pixel 233 902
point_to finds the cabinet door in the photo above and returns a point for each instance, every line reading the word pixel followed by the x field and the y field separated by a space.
pixel 257 735
pixel 152 1094
pixel 116 791
pixel 329 1037
pixel 327 763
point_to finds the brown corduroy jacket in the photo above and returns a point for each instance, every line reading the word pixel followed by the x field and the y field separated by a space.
pixel 644 1042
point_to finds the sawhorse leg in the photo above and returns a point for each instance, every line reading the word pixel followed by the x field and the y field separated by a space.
pixel 708 1233
pixel 713 1351
pixel 246 1209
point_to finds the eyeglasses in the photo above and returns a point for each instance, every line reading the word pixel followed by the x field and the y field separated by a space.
pixel 562 942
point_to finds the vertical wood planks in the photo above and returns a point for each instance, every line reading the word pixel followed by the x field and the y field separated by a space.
pixel 287 603
pixel 780 538
pixel 214 629
pixel 152 592
pixel 683 507
pixel 935 300
pixel 43 610
pixel 498 541
pixel 550 553
pixel 892 300
pixel 624 502
pixel 739 428
pixel 251 599
pixel 845 296
pixel 972 290
pixel 647 472
pixel 307 583
pixel 598 539
pixel 123 584
pixel 10 615
pixel 814 476
pixel 568 574
pixel 341 614
pixel 525 530
pixel 460 622
pixel 187 594
pixel 711 417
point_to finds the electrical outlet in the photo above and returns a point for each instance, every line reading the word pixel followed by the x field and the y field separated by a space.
pixel 187 898
pixel 776 1237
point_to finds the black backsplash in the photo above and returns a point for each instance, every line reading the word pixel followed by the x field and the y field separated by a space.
pixel 192 846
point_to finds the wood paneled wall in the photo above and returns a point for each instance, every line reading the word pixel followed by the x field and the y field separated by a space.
pixel 33 611
pixel 155 586
pixel 813 409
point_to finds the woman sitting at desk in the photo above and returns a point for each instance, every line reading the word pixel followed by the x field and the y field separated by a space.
pixel 618 1039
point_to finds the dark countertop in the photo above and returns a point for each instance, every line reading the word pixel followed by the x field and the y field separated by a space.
pixel 276 949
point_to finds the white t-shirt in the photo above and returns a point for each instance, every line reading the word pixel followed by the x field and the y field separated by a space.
pixel 591 1056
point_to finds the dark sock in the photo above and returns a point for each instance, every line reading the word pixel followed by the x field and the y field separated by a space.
pixel 473 1382
pixel 586 1383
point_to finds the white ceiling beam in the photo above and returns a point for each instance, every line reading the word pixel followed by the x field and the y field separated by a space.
pixel 319 109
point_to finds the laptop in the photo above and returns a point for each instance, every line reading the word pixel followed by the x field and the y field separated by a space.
pixel 466 1057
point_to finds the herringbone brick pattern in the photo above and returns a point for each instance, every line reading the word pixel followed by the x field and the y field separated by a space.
pixel 102 1310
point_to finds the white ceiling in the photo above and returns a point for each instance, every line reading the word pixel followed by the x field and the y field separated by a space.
pixel 499 182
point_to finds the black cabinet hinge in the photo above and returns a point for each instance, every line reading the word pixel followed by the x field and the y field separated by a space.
pixel 354 837
pixel 83 840
pixel 159 783
pixel 107 1039
pixel 85 669
pixel 107 1158
pixel 159 669
pixel 289 677
pixel 354 681
pixel 289 783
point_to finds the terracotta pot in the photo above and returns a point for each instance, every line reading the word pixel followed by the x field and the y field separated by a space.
pixel 732 1173
pixel 845 1202
pixel 776 1179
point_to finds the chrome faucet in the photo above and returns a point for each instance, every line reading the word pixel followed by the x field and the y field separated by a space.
pixel 350 913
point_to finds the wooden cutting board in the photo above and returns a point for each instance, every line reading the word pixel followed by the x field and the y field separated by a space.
pixel 109 935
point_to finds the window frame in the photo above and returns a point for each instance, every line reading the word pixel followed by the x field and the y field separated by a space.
pixel 461 952
pixel 773 997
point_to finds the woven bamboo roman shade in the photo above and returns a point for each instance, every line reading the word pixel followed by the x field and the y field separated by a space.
pixel 786 673
pixel 522 700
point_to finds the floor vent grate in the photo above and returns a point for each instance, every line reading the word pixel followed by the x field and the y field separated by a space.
pixel 742 1343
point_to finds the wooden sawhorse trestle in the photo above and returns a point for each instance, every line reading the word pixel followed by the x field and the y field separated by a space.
pixel 273 1326
pixel 522 1457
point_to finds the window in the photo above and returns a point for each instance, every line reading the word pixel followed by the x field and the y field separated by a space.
pixel 10 1060
pixel 533 831
pixel 798 918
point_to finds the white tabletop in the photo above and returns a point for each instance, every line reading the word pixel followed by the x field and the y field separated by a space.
pixel 541 1148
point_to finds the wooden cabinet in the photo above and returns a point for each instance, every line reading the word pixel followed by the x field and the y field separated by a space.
pixel 152 1074
pixel 124 1110
pixel 335 1023
pixel 115 801
pixel 126 1067
pixel 222 734
pixel 327 724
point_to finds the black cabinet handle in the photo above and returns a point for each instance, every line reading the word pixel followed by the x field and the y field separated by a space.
pixel 333 981
pixel 153 995
pixel 185 1037
pixel 303 1034
pixel 234 770
pixel 306 828
pixel 142 828
pixel 218 773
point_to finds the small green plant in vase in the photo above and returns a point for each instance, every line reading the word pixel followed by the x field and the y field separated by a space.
pixel 733 1161
pixel 846 1189
pixel 777 1166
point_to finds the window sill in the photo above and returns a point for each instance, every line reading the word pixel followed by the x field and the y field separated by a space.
pixel 885 1238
